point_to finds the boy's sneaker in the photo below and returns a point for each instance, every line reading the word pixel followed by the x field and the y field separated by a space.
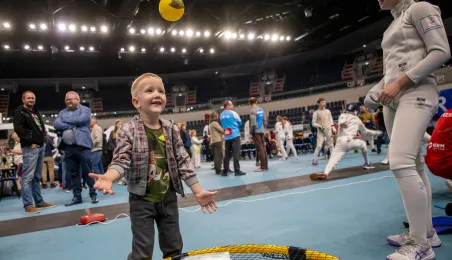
pixel 368 166
pixel 413 251
pixel 315 162
pixel 399 240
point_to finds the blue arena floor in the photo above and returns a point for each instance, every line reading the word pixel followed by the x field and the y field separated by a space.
pixel 347 218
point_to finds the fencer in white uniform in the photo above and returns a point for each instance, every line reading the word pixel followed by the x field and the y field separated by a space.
pixel 414 46
pixel 280 137
pixel 349 125
pixel 323 121
pixel 289 137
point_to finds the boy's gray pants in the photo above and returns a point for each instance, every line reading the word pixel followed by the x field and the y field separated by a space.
pixel 143 215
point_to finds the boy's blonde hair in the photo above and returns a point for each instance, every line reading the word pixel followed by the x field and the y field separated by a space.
pixel 137 81
pixel 192 133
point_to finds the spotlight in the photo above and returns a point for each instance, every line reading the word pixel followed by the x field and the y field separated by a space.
pixel 266 37
pixel 162 49
pixel 40 47
pixel 212 51
pixel 104 28
pixel 234 36
pixel 84 28
pixel 62 27
pixel 72 28
pixel 26 47
pixel 288 38
pixel 6 25
pixel 43 26
pixel 32 26
pixel 91 48
pixel 66 47
pixel 132 48
pixel 251 36
pixel 6 47
pixel 242 36
pixel 227 35
pixel 274 37
pixel 207 34
pixel 181 32
pixel 364 46
pixel 151 31
pixel 198 34
pixel 83 87
pixel 158 31
pixel 92 29
pixel 281 38
pixel 143 31
pixel 82 48
pixel 184 50
pixel 132 30
pixel 174 32
pixel 189 33
pixel 173 49
pixel 201 50
pixel 143 50
pixel 122 49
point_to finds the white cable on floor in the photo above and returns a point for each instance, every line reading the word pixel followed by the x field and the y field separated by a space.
pixel 261 199
pixel 293 193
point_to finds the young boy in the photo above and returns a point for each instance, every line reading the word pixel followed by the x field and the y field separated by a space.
pixel 151 156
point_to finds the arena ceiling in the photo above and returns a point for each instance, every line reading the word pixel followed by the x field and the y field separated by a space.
pixel 87 38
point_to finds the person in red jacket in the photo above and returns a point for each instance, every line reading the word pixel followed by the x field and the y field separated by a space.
pixel 439 149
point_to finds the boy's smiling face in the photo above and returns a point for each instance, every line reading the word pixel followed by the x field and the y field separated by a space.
pixel 149 96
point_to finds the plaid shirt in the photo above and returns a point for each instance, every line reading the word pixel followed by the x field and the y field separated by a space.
pixel 131 157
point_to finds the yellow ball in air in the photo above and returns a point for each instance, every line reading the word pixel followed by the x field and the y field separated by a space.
pixel 171 10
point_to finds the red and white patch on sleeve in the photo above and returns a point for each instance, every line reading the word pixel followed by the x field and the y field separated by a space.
pixel 431 22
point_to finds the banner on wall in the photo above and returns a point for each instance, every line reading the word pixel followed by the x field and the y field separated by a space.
pixel 445 101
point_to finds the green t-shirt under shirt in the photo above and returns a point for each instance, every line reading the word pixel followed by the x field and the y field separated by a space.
pixel 158 187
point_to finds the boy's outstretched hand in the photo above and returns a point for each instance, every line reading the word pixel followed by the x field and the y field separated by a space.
pixel 103 183
pixel 206 201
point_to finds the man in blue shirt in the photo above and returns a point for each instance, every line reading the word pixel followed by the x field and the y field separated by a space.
pixel 231 122
pixel 74 123
pixel 257 116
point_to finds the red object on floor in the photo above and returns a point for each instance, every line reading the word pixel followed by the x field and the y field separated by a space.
pixel 88 219
pixel 61 185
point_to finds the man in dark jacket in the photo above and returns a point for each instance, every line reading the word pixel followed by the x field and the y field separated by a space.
pixel 30 128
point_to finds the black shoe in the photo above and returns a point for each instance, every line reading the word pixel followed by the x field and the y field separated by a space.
pixel 224 174
pixel 44 186
pixel 373 150
pixel 240 173
pixel 74 201
pixel 53 185
pixel 94 199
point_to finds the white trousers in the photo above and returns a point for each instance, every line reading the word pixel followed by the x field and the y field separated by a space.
pixel 290 147
pixel 281 146
pixel 343 146
pixel 323 136
pixel 406 121
pixel 195 156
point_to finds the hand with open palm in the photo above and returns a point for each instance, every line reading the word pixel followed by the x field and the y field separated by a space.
pixel 103 183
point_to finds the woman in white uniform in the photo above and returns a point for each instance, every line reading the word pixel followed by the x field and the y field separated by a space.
pixel 414 45
pixel 280 137
pixel 289 137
